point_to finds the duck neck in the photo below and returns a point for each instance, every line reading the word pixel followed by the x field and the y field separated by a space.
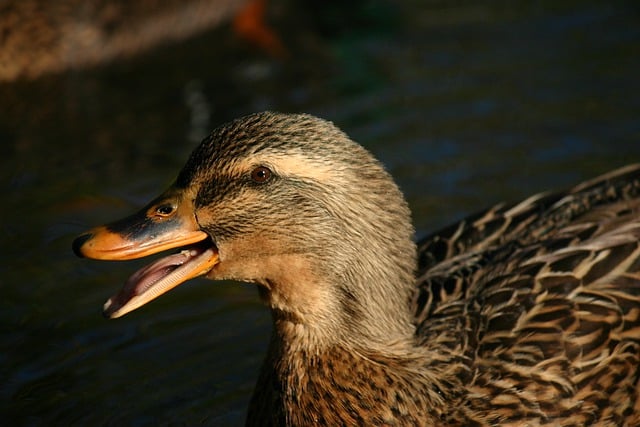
pixel 362 304
pixel 338 385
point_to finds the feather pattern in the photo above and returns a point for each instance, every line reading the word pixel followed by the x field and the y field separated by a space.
pixel 550 290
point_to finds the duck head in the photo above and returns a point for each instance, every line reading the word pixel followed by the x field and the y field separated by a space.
pixel 290 203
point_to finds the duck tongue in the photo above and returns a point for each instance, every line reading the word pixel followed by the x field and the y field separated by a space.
pixel 159 277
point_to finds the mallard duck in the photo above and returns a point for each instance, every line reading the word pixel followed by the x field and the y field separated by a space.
pixel 41 36
pixel 524 314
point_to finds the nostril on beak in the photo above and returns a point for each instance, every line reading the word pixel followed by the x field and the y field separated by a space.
pixel 79 242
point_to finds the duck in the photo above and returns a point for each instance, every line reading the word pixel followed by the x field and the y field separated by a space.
pixel 42 38
pixel 523 314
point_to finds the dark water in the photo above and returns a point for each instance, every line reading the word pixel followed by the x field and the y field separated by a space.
pixel 466 103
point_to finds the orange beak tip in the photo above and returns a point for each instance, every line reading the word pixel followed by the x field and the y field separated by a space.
pixel 79 242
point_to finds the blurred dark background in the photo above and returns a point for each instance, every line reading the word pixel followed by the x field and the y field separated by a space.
pixel 467 103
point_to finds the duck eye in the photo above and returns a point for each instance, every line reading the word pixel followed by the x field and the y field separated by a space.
pixel 261 174
pixel 165 210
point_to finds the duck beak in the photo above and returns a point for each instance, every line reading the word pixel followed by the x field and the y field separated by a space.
pixel 166 223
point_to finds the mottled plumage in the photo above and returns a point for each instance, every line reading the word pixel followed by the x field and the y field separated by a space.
pixel 550 293
pixel 524 314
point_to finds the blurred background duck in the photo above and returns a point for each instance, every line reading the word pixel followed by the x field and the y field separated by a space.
pixel 40 37
pixel 524 314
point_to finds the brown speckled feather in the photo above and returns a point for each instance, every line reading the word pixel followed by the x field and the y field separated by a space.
pixel 550 290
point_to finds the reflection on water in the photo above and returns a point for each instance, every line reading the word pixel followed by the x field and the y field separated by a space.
pixel 467 105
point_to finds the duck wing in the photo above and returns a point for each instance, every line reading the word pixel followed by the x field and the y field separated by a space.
pixel 540 304
pixel 454 260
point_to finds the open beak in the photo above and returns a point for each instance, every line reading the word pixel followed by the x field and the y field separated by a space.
pixel 166 223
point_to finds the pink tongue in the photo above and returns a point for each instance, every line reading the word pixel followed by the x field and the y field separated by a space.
pixel 144 278
pixel 159 277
